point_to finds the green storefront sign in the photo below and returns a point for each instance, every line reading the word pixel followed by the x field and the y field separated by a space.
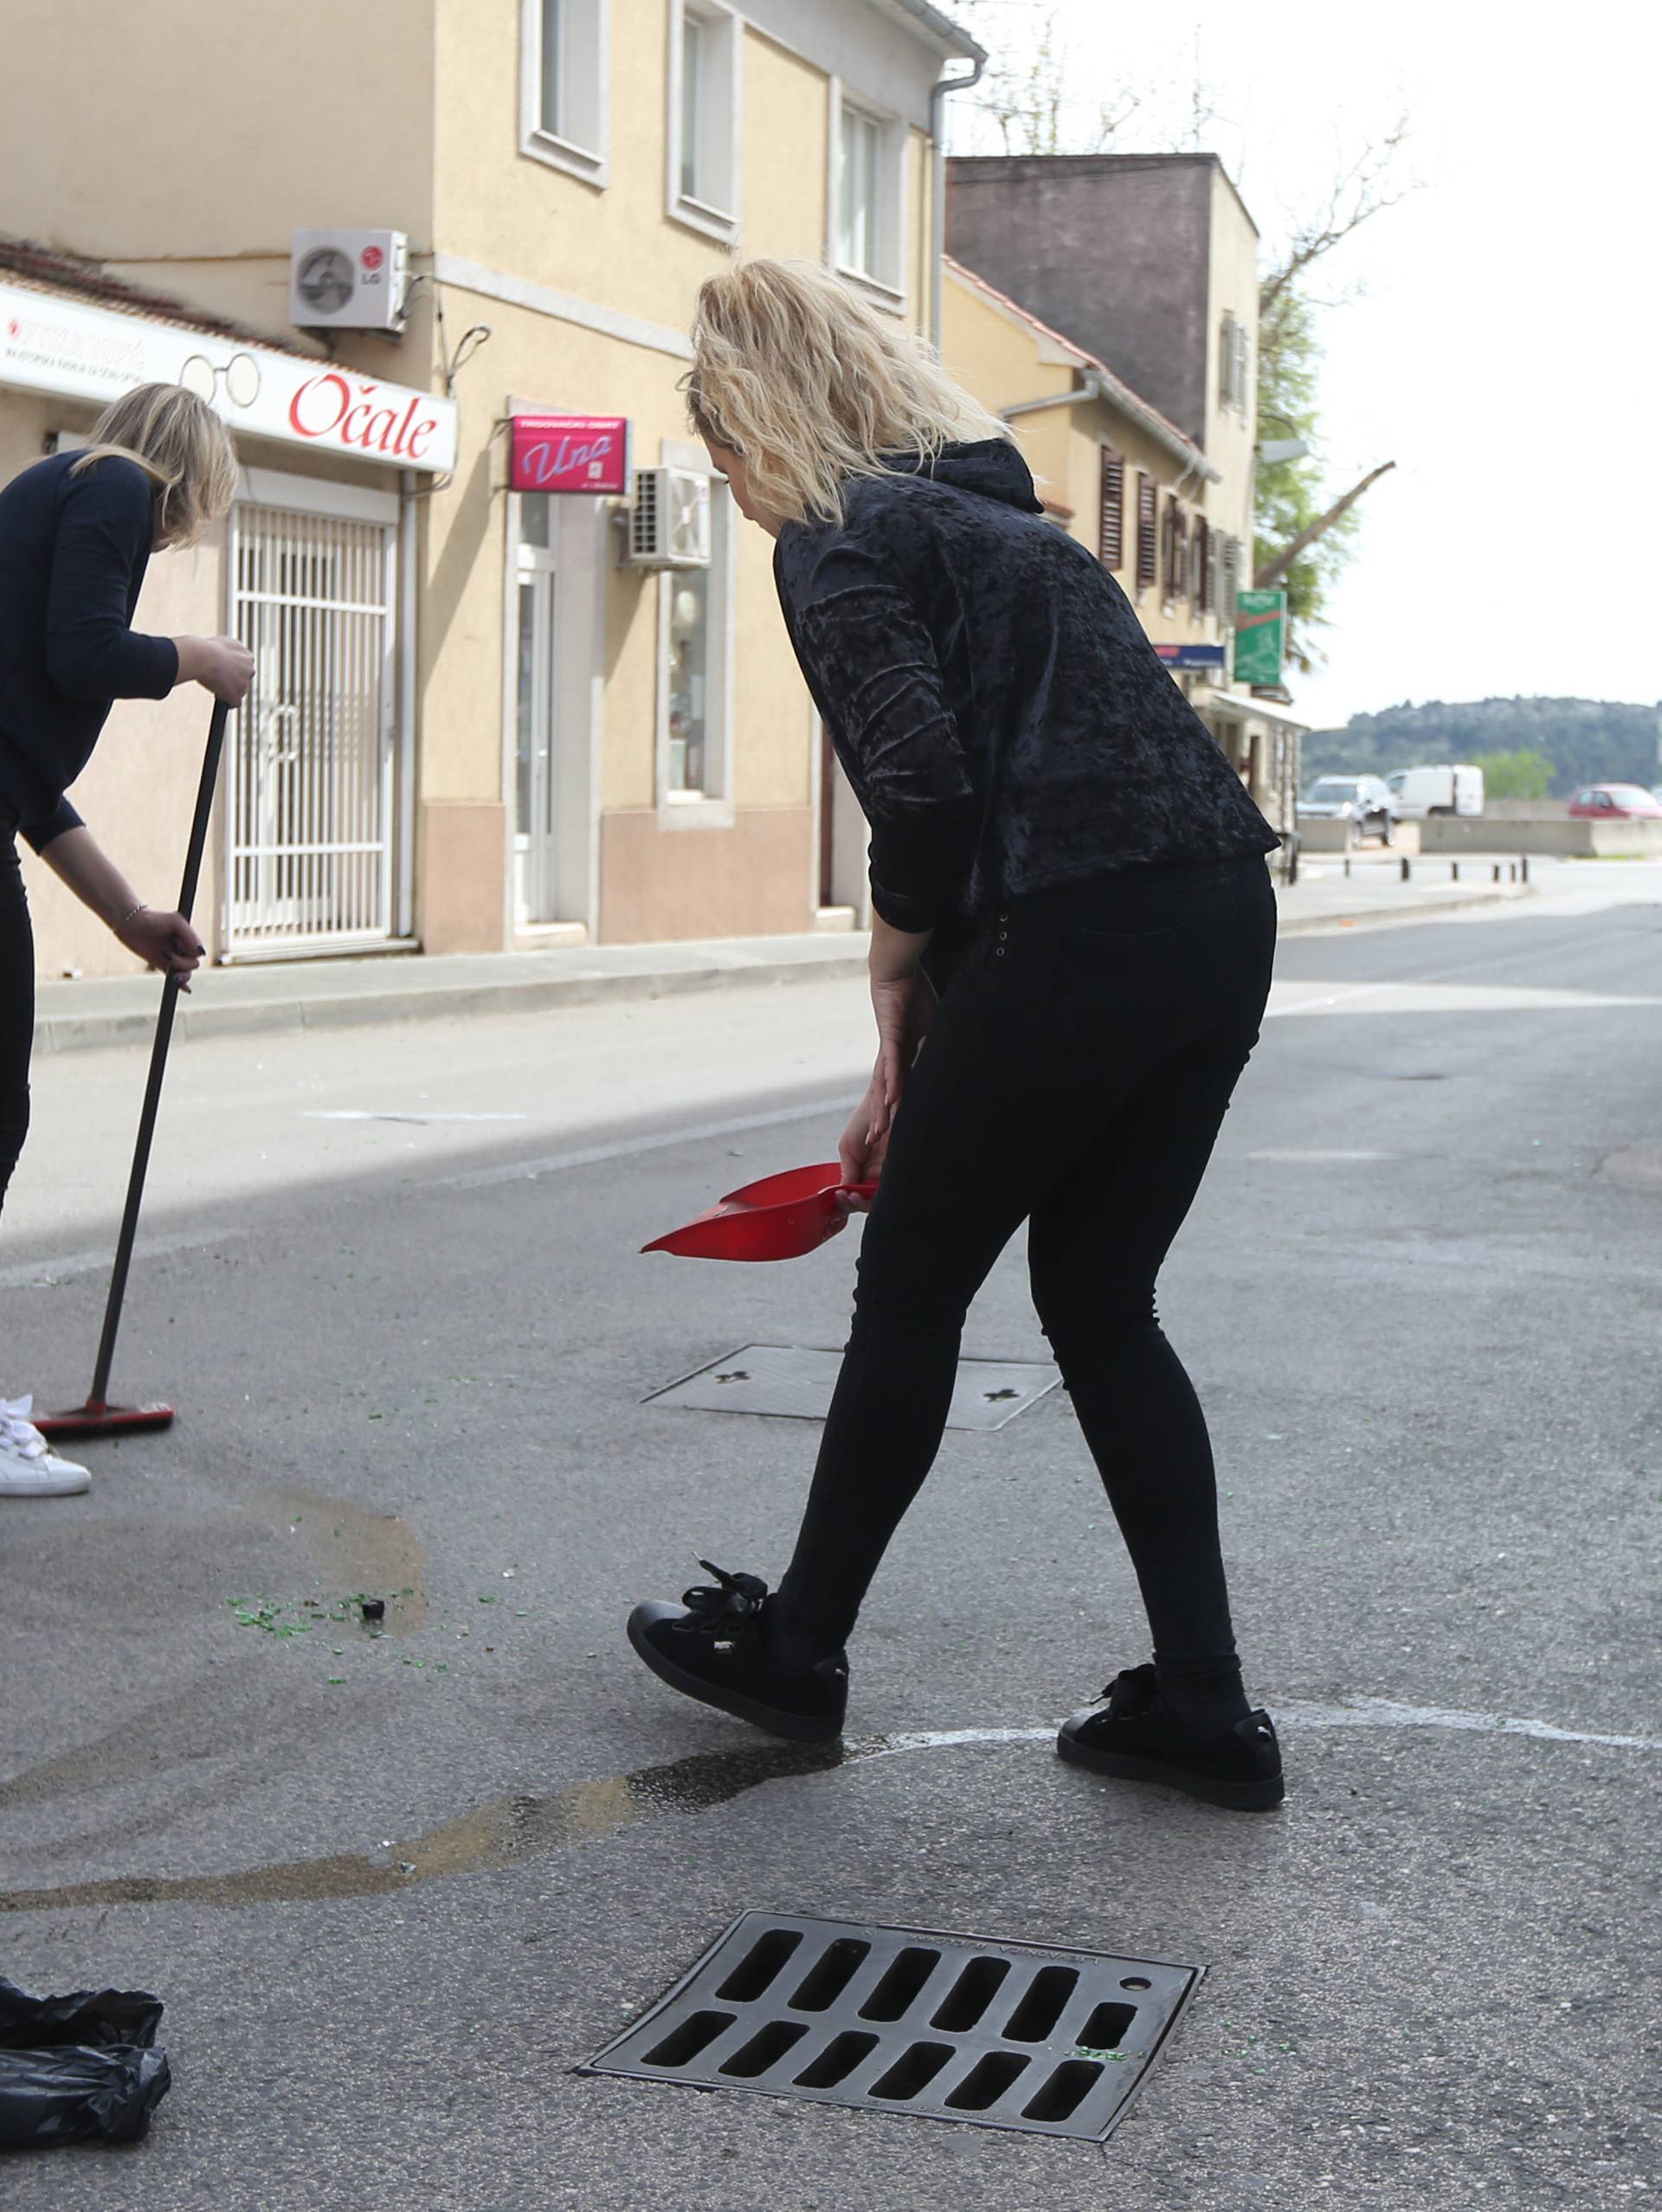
pixel 1261 634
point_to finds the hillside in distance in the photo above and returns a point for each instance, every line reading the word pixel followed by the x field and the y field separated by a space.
pixel 1587 740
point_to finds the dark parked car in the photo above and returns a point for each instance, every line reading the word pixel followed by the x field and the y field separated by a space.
pixel 1364 802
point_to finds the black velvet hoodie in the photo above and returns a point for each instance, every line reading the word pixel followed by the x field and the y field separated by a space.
pixel 1004 722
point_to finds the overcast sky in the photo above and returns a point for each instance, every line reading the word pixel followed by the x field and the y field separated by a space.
pixel 1502 344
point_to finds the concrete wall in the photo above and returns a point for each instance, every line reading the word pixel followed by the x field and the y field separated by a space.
pixel 1323 835
pixel 1576 839
pixel 1111 249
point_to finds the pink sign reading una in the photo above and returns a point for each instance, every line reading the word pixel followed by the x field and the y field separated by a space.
pixel 571 453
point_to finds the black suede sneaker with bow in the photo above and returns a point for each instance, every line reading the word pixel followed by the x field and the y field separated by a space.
pixel 717 1646
pixel 1134 1738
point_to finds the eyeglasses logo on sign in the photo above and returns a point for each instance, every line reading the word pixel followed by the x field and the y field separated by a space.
pixel 570 453
pixel 325 407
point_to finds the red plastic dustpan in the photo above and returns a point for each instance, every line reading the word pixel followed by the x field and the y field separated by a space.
pixel 779 1218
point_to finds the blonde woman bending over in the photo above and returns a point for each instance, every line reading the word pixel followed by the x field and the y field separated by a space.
pixel 77 533
pixel 1072 906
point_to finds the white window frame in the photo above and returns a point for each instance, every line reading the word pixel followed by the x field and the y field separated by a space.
pixel 885 285
pixel 712 807
pixel 581 143
pixel 713 211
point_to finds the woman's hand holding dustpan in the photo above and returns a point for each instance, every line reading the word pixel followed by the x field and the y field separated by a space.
pixel 779 1218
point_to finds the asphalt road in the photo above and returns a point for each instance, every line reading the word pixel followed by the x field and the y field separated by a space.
pixel 395 1886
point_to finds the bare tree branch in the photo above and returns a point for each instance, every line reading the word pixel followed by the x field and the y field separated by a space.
pixel 1366 189
pixel 1272 570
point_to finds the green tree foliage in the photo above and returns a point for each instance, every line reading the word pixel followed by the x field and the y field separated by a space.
pixel 1291 494
pixel 1526 775
pixel 1586 740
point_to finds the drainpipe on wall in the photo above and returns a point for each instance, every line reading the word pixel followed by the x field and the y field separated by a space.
pixel 408 505
pixel 939 93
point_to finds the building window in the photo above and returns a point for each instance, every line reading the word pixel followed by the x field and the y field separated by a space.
pixel 867 192
pixel 1111 547
pixel 1176 553
pixel 695 635
pixel 1234 348
pixel 705 46
pixel 562 85
pixel 692 58
pixel 1148 497
pixel 1197 567
pixel 861 146
pixel 687 684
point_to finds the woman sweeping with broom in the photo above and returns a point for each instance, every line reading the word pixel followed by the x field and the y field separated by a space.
pixel 76 534
pixel 1072 906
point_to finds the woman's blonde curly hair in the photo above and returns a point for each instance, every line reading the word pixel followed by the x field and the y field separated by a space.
pixel 181 445
pixel 811 387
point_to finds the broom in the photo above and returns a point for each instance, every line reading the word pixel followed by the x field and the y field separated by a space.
pixel 98 1417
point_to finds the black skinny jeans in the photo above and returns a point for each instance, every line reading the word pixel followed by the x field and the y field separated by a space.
pixel 1076 1076
pixel 16 1002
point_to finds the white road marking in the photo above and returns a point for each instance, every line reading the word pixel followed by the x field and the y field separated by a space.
pixel 1351 1712
pixel 396 1113
pixel 1298 1160
pixel 42 1275
pixel 592 1155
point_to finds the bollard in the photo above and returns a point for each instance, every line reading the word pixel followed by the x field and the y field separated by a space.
pixel 1404 867
pixel 1347 867
pixel 1523 868
pixel 1497 871
pixel 1453 871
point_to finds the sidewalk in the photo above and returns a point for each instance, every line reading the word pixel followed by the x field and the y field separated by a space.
pixel 317 994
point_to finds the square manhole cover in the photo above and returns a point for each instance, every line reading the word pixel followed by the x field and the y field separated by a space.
pixel 901 2019
pixel 796 1382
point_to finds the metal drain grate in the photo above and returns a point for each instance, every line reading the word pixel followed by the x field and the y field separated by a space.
pixel 1011 2035
pixel 798 1383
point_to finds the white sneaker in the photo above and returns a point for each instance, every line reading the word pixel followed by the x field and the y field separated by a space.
pixel 29 1466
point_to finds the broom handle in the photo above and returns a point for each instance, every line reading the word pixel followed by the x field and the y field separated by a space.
pixel 157 1066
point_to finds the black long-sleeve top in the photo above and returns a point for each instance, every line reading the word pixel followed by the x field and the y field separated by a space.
pixel 1004 720
pixel 73 554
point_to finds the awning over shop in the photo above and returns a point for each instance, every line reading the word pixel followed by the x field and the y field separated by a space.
pixel 1240 706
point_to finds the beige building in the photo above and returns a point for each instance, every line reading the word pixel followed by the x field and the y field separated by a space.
pixel 482 718
pixel 1107 306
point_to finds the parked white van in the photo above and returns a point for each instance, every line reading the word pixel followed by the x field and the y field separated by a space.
pixel 1420 791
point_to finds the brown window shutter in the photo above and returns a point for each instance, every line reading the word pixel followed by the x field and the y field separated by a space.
pixel 1112 547
pixel 1214 549
pixel 1177 554
pixel 1231 581
pixel 1199 557
pixel 1147 543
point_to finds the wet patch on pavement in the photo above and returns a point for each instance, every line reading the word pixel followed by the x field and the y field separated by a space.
pixel 510 1829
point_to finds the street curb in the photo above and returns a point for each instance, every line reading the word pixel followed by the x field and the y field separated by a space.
pixel 540 994
pixel 527 995
pixel 1377 917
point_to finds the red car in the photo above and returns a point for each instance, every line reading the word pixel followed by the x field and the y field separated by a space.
pixel 1616 802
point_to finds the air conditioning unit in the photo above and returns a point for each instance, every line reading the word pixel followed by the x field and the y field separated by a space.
pixel 669 519
pixel 348 279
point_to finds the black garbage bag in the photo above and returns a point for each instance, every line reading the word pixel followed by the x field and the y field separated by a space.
pixel 78 2066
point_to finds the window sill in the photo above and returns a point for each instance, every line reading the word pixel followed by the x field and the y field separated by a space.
pixel 694 810
pixel 876 289
pixel 561 154
pixel 708 221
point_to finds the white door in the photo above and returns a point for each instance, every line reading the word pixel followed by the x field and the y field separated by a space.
pixel 535 819
pixel 310 771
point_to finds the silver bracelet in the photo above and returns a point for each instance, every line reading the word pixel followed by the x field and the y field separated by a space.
pixel 143 907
